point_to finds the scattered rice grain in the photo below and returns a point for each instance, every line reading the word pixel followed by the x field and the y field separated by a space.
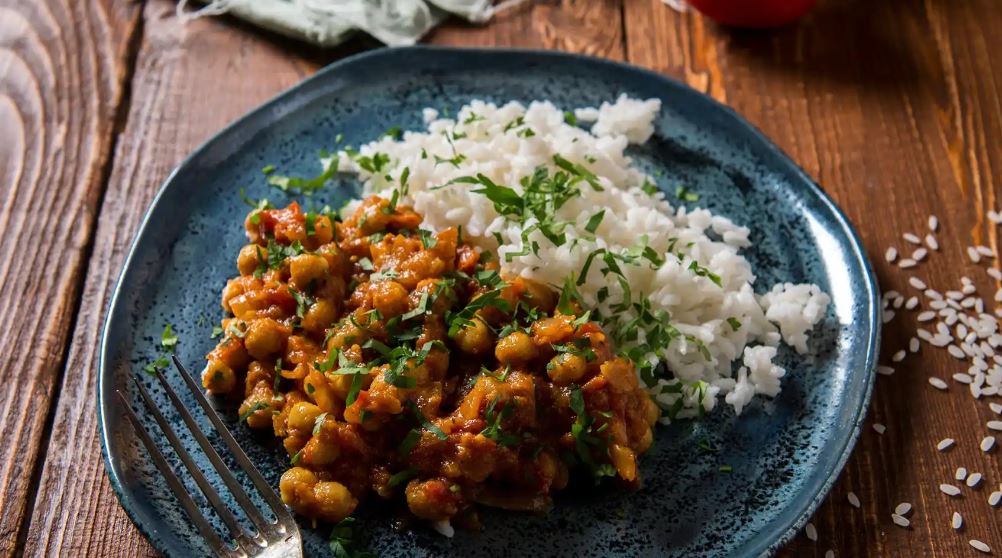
pixel 973 480
pixel 911 238
pixel 903 508
pixel 978 545
pixel 879 428
pixel 956 521
pixel 853 499
pixel 943 445
pixel 907 263
pixel 891 254
pixel 937 383
pixel 949 489
pixel 900 521
pixel 987 443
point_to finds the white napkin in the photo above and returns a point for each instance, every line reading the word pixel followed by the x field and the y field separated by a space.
pixel 329 22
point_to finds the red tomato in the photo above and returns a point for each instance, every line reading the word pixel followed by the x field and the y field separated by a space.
pixel 753 13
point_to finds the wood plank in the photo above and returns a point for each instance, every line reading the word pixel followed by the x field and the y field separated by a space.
pixel 857 96
pixel 62 71
pixel 76 511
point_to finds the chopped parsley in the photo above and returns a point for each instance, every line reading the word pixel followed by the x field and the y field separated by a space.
pixel 570 118
pixel 216 332
pixel 734 323
pixel 684 194
pixel 594 222
pixel 305 186
pixel 157 365
pixel 494 417
pixel 343 543
pixel 260 405
pixel 168 339
pixel 425 422
pixel 400 478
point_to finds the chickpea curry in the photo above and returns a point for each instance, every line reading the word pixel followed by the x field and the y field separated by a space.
pixel 397 362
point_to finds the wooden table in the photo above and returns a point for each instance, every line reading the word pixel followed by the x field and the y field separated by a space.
pixel 893 106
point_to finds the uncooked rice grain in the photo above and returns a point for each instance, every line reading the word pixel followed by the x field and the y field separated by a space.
pixel 913 344
pixel 885 370
pixel 853 499
pixel 912 303
pixel 907 263
pixel 933 223
pixel 945 443
pixel 973 480
pixel 931 242
pixel 994 498
pixel 956 521
pixel 899 520
pixel 903 508
pixel 811 531
pixel 978 545
pixel 899 356
pixel 995 425
pixel 911 238
pixel 973 254
pixel 891 254
pixel 996 408
pixel 937 383
pixel 919 254
pixel 879 428
pixel 949 489
pixel 985 251
pixel 987 443
pixel 926 316
pixel 961 473
pixel 917 283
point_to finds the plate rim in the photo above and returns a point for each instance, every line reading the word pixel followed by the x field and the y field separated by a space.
pixel 763 545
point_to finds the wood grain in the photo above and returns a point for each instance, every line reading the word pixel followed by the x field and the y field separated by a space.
pixel 894 108
pixel 76 512
pixel 62 68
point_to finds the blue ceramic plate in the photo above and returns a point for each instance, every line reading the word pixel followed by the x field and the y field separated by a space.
pixel 785 453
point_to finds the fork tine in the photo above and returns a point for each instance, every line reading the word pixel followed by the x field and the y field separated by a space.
pixel 231 482
pixel 224 512
pixel 173 482
pixel 266 491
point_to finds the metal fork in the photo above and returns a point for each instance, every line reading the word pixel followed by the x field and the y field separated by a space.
pixel 271 540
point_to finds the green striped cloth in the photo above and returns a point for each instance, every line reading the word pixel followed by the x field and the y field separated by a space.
pixel 329 22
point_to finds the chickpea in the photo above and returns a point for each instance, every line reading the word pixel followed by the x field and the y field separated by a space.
pixel 337 260
pixel 319 316
pixel 539 295
pixel 296 487
pixel 431 499
pixel 620 375
pixel 474 338
pixel 625 461
pixel 390 298
pixel 218 378
pixel 265 337
pixel 323 232
pixel 333 501
pixel 566 368
pixel 303 416
pixel 305 269
pixel 516 348
pixel 250 258
pixel 257 409
pixel 320 452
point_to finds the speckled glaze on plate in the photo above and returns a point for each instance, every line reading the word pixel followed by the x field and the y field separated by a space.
pixel 785 453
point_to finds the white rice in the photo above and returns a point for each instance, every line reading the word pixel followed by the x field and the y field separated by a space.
pixel 879 428
pixel 945 443
pixel 994 498
pixel 957 521
pixel 899 520
pixel 903 509
pixel 891 254
pixel 740 364
pixel 811 531
pixel 973 480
